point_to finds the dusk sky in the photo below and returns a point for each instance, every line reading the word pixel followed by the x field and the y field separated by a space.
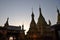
pixel 19 11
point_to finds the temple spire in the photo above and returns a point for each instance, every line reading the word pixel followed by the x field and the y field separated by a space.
pixel 32 15
pixel 57 10
pixel 58 17
pixel 6 24
pixel 49 23
pixel 41 22
pixel 41 19
pixel 32 24
pixel 22 27
pixel 40 11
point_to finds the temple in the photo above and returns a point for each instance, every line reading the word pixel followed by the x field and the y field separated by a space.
pixel 40 30
pixel 15 32
pixel 37 31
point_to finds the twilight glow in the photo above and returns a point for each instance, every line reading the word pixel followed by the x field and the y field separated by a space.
pixel 19 11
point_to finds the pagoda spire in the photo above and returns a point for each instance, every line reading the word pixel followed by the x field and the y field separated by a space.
pixel 41 23
pixel 40 11
pixel 32 15
pixel 32 21
pixel 41 19
pixel 22 27
pixel 58 17
pixel 33 31
pixel 33 27
pixel 49 23
pixel 6 24
pixel 57 10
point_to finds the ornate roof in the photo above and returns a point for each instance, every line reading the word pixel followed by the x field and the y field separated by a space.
pixel 17 28
pixel 41 19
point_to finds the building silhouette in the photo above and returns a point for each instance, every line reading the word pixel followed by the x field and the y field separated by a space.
pixel 12 31
pixel 41 30
pixel 37 31
pixel 56 27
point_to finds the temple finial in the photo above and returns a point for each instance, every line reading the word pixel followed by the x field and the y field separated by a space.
pixel 39 6
pixel 7 24
pixel 32 13
pixel 49 22
pixel 57 9
pixel 40 13
pixel 7 18
pixel 23 27
pixel 32 9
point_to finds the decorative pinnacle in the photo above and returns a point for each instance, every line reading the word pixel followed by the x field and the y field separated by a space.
pixel 39 6
pixel 7 18
pixel 32 13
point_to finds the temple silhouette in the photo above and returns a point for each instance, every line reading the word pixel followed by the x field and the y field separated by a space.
pixel 37 31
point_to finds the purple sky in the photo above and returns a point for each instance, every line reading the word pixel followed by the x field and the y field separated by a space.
pixel 19 11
